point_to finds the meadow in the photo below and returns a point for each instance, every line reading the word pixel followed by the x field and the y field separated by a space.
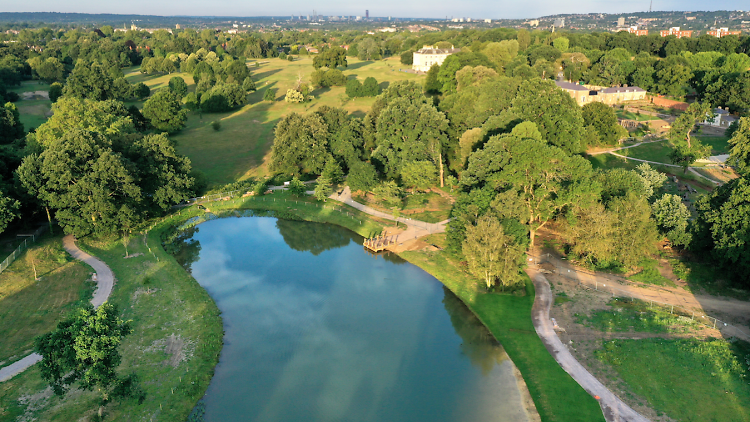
pixel 36 109
pixel 241 147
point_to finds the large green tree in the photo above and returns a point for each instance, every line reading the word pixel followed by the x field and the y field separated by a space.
pixel 164 111
pixel 723 226
pixel 8 210
pixel 533 180
pixel 603 118
pixel 739 152
pixel 331 58
pixel 555 113
pixel 492 255
pixel 671 215
pixel 90 80
pixel 83 350
pixel 300 144
pixel 11 127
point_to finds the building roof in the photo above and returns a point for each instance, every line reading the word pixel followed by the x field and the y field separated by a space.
pixel 618 89
pixel 571 86
pixel 438 51
pixel 720 111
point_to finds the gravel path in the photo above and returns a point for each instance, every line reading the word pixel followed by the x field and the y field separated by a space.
pixel 105 281
pixel 614 409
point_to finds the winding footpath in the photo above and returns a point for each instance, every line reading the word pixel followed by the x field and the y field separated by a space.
pixel 614 409
pixel 105 281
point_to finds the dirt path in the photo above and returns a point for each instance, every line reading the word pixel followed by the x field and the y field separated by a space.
pixel 614 409
pixel 105 281
pixel 731 310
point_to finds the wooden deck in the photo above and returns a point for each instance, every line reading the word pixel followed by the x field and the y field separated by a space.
pixel 379 243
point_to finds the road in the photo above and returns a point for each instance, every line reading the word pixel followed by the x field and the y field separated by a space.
pixel 105 281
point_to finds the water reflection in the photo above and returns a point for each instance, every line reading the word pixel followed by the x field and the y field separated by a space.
pixel 479 345
pixel 305 236
pixel 318 332
pixel 185 248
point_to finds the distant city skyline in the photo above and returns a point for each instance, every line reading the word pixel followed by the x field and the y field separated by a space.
pixel 415 9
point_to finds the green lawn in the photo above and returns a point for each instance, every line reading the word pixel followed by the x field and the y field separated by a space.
pixel 689 380
pixel 29 307
pixel 33 112
pixel 556 395
pixel 719 144
pixel 429 207
pixel 167 307
pixel 622 114
pixel 239 150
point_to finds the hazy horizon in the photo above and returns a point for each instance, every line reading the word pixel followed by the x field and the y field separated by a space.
pixel 472 8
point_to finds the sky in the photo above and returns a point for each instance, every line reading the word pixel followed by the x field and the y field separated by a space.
pixel 484 9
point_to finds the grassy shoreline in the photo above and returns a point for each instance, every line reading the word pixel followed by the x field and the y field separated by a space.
pixel 154 281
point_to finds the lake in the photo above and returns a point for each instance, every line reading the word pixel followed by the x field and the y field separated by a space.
pixel 317 329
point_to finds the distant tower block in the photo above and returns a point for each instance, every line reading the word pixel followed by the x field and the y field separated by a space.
pixel 367 14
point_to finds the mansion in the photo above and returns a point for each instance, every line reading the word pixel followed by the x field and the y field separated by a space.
pixel 613 95
pixel 429 55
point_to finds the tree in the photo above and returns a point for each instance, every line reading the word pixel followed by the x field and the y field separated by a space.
pixel 88 184
pixel 681 128
pixel 410 131
pixel 223 97
pixel 141 90
pixel 354 88
pixel 83 349
pixel 51 70
pixel 671 216
pixel 561 43
pixel 164 111
pixel 368 49
pixel 620 233
pixel 178 86
pixel 672 80
pixel 524 39
pixel 723 226
pixel 739 152
pixel 300 144
pixel 473 75
pixel 555 113
pixel 362 176
pixel 55 91
pixel 603 118
pixel 11 127
pixel 89 80
pixel 419 174
pixel 533 180
pixel 8 211
pixel 370 87
pixel 323 189
pixel 248 85
pixel 388 193
pixel 269 94
pixel 332 172
pixel 294 96
pixel 431 83
pixel 330 58
pixel 296 187
pixel 652 179
pixel 491 254
pixel 407 58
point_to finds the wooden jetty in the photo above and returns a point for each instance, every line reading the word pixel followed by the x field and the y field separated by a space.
pixel 379 243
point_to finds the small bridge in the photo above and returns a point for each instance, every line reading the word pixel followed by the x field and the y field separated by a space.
pixel 379 243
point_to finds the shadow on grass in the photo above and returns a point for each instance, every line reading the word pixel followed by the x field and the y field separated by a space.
pixel 261 75
pixel 356 66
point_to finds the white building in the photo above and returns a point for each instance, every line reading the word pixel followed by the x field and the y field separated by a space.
pixel 429 55
pixel 722 118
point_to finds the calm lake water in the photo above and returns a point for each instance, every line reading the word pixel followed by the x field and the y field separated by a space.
pixel 317 329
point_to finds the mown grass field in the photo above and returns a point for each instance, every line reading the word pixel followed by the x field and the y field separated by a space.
pixel 35 111
pixel 659 151
pixel 627 314
pixel 690 380
pixel 240 148
pixel 556 395
pixel 30 307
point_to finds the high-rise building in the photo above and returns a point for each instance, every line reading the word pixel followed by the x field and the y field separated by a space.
pixel 367 14
pixel 620 22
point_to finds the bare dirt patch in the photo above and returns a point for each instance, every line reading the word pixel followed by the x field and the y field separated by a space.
pixel 34 403
pixel 35 95
pixel 177 349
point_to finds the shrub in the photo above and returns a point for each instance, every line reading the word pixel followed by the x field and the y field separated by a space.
pixel 269 95
pixel 216 125
pixel 294 96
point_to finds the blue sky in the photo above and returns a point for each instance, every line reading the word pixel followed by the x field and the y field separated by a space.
pixel 396 8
